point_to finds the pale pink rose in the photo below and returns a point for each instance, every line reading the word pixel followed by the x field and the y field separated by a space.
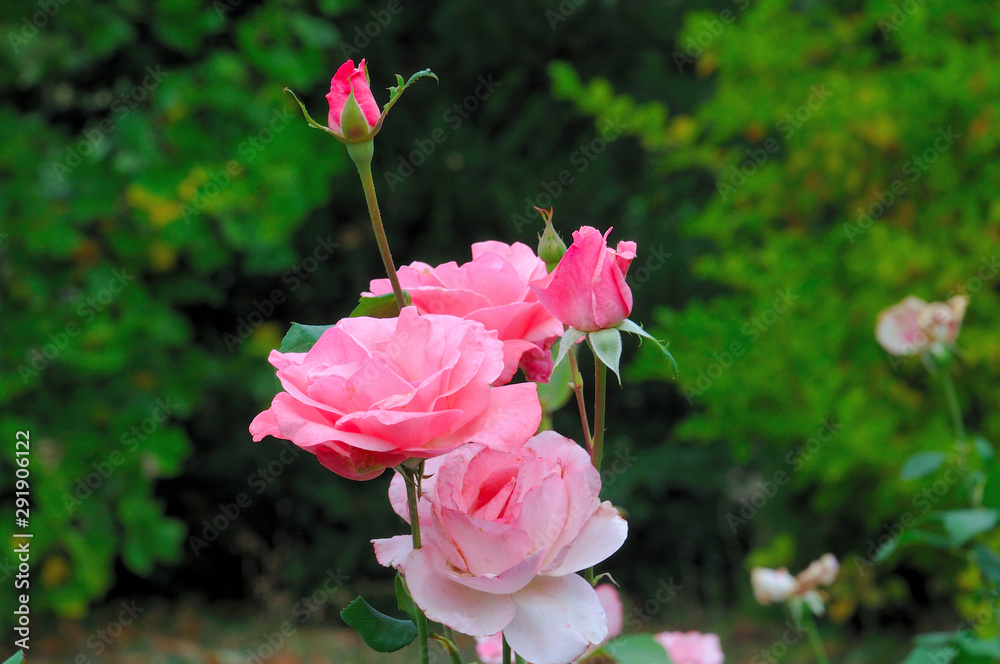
pixel 914 326
pixel 493 289
pixel 489 649
pixel 820 572
pixel 503 534
pixel 772 585
pixel 346 80
pixel 691 647
pixel 374 392
pixel 587 290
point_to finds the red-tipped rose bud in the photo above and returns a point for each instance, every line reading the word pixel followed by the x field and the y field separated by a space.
pixel 353 110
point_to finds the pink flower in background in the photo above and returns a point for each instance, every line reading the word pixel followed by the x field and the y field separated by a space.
pixel 587 290
pixel 492 289
pixel 489 649
pixel 691 647
pixel 504 534
pixel 364 108
pixel 374 392
pixel 914 326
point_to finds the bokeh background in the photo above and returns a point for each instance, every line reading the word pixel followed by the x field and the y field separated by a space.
pixel 788 170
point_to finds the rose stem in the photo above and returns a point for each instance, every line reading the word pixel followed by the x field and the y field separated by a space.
pixel 412 479
pixel 600 400
pixel 506 649
pixel 814 639
pixel 580 404
pixel 362 153
pixel 956 412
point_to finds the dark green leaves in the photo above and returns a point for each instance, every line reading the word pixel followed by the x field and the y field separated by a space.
pixel 382 633
pixel 16 658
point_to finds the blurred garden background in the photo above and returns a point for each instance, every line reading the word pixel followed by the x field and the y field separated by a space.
pixel 788 169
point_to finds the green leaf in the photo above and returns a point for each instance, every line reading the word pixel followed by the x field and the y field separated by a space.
pixel 607 346
pixel 403 600
pixel 305 113
pixel 300 338
pixel 382 633
pixel 566 342
pixel 636 329
pixel 922 464
pixel 991 491
pixel 983 448
pixel 988 562
pixel 554 394
pixel 978 647
pixel 637 649
pixel 16 658
pixel 379 306
pixel 963 525
pixel 936 654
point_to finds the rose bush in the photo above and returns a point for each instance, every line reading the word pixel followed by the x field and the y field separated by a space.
pixel 504 534
pixel 587 290
pixel 373 392
pixel 493 289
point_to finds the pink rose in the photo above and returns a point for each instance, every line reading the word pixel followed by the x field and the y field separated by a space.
pixel 374 392
pixel 914 326
pixel 362 114
pixel 489 649
pixel 492 289
pixel 503 535
pixel 587 290
pixel 691 647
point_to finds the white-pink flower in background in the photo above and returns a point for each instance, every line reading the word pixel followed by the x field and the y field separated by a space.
pixel 778 585
pixel 503 535
pixel 691 647
pixel 493 289
pixel 914 326
pixel 373 392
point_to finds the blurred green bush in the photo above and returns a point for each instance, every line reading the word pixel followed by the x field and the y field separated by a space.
pixel 852 154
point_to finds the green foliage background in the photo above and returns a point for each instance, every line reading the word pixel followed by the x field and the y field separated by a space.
pixel 207 188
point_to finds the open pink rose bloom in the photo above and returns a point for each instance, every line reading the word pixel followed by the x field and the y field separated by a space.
pixel 914 326
pixel 504 534
pixel 374 392
pixel 493 289
pixel 587 290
